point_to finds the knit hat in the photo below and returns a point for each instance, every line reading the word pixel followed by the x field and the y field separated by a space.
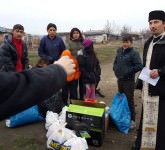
pixel 127 38
pixel 87 42
pixel 157 14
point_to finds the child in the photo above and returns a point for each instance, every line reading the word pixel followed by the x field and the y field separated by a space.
pixel 74 46
pixel 126 64
pixel 75 43
pixel 89 67
pixel 42 62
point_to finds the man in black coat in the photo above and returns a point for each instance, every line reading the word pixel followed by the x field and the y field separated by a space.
pixel 19 91
pixel 151 133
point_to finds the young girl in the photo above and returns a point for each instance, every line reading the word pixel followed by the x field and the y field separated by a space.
pixel 89 67
pixel 74 46
pixel 75 43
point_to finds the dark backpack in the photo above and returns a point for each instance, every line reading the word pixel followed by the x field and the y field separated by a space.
pixel 54 103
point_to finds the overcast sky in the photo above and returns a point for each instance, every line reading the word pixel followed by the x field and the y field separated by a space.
pixel 34 15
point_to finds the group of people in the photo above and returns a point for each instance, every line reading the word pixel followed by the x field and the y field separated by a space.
pixel 81 51
pixel 14 58
pixel 76 65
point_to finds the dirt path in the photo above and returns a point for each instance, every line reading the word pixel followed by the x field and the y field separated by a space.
pixel 33 136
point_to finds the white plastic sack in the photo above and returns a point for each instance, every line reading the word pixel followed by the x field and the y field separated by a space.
pixel 59 136
pixel 62 116
pixel 76 143
pixel 51 117
pixel 55 126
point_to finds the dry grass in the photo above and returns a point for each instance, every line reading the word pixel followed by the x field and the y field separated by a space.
pixel 105 52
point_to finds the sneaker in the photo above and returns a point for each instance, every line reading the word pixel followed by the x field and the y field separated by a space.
pixel 133 124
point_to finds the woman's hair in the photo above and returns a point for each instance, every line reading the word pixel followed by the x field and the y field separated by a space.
pixel 91 52
pixel 71 34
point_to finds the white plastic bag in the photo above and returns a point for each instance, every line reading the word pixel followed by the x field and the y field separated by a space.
pixel 76 143
pixel 59 136
pixel 51 117
pixel 62 116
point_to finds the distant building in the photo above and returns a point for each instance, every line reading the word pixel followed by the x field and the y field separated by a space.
pixel 98 36
pixel 3 32
pixel 64 36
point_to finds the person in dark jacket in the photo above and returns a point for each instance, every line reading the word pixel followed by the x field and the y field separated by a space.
pixel 21 90
pixel 13 51
pixel 151 133
pixel 127 62
pixel 51 46
pixel 89 67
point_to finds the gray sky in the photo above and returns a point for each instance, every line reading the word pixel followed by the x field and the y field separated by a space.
pixel 34 15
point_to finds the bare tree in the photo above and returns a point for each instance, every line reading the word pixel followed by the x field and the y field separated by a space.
pixel 125 30
pixel 108 29
pixel 111 28
pixel 146 33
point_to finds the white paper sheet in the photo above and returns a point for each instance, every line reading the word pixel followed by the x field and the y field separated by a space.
pixel 145 76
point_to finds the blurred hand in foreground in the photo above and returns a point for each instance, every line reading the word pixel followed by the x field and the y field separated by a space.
pixel 67 64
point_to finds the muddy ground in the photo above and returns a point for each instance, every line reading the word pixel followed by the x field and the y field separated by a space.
pixel 33 136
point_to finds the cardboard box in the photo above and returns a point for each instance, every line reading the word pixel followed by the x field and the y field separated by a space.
pixel 91 114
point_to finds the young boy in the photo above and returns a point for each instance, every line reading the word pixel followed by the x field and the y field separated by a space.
pixel 13 51
pixel 51 46
pixel 127 62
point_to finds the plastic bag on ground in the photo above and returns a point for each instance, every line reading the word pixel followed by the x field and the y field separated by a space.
pixel 76 143
pixel 51 117
pixel 27 116
pixel 120 112
pixel 59 136
pixel 62 116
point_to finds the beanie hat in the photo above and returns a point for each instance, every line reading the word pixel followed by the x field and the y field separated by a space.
pixel 127 38
pixel 157 14
pixel 87 42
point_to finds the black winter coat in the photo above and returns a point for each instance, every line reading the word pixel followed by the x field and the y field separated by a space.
pixel 9 55
pixel 157 62
pixel 89 68
pixel 127 63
